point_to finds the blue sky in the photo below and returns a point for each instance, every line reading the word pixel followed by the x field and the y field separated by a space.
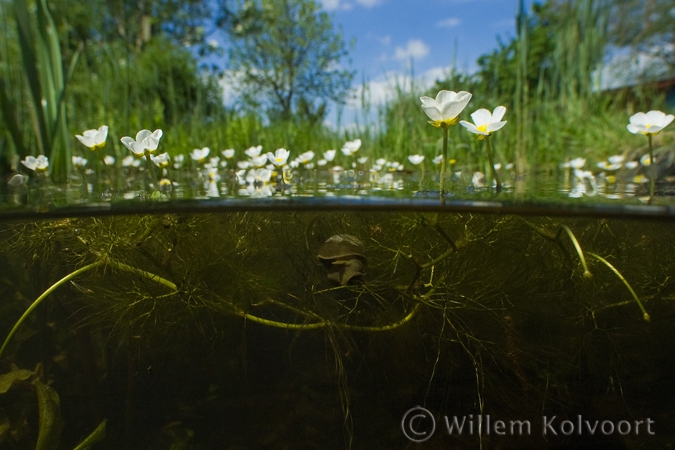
pixel 391 33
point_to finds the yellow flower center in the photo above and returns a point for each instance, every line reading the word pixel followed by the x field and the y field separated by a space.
pixel 482 128
pixel 445 123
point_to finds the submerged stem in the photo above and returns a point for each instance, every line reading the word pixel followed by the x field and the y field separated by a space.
pixel 645 315
pixel 577 247
pixel 39 300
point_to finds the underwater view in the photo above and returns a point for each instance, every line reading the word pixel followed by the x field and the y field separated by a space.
pixel 309 322
pixel 225 225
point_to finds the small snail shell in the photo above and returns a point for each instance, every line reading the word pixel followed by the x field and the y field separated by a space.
pixel 344 257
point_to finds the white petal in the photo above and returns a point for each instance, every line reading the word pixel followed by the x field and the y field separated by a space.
pixel 495 126
pixel 498 113
pixel 639 118
pixel 428 101
pixel 469 126
pixel 632 128
pixel 481 117
pixel 142 135
pixel 454 108
pixel 128 142
pixel 432 112
pixel 101 135
pixel 86 140
pixel 655 117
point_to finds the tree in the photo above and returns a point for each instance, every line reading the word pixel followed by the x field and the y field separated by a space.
pixel 287 56
pixel 646 27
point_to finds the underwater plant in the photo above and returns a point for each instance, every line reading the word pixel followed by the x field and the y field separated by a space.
pixel 486 123
pixel 650 124
pixel 444 111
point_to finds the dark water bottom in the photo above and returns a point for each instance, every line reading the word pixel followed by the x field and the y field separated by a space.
pixel 225 331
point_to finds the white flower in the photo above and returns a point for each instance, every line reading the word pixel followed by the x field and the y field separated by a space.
pixel 362 160
pixel 109 160
pixel 576 163
pixel 79 161
pixel 485 123
pixel 616 159
pixel 605 165
pixel 129 161
pixel 444 110
pixel 258 175
pixel 243 164
pixel 252 152
pixel 162 160
pixel 229 153
pixel 279 157
pixel 94 139
pixel 258 161
pixel 351 147
pixel 306 157
pixel 416 159
pixel 321 162
pixel 39 164
pixel 329 155
pixel 200 154
pixel 631 165
pixel 646 160
pixel 650 123
pixel 213 162
pixel 380 161
pixel 437 160
pixel 145 140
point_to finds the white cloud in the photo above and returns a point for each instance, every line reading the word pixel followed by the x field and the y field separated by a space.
pixel 369 3
pixel 449 22
pixel 414 49
pixel 335 5
pixel 384 40
pixel 386 86
pixel 342 5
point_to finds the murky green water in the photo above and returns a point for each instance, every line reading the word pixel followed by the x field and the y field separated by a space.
pixel 214 325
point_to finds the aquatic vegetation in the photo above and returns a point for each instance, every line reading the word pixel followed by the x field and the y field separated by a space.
pixel 94 139
pixel 434 282
pixel 650 124
pixel 486 123
pixel 39 164
pixel 444 111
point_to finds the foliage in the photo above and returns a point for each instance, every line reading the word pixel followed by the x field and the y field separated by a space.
pixel 287 56
pixel 645 27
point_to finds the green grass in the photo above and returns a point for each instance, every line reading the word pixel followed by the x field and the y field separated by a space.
pixel 553 114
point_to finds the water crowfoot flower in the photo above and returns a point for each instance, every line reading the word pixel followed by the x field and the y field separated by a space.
pixel 415 160
pixel 484 124
pixel 650 124
pixel 444 111
pixel 38 165
pixel 351 147
pixel 146 144
pixel 146 141
pixel 94 139
pixel 279 157
pixel 200 154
